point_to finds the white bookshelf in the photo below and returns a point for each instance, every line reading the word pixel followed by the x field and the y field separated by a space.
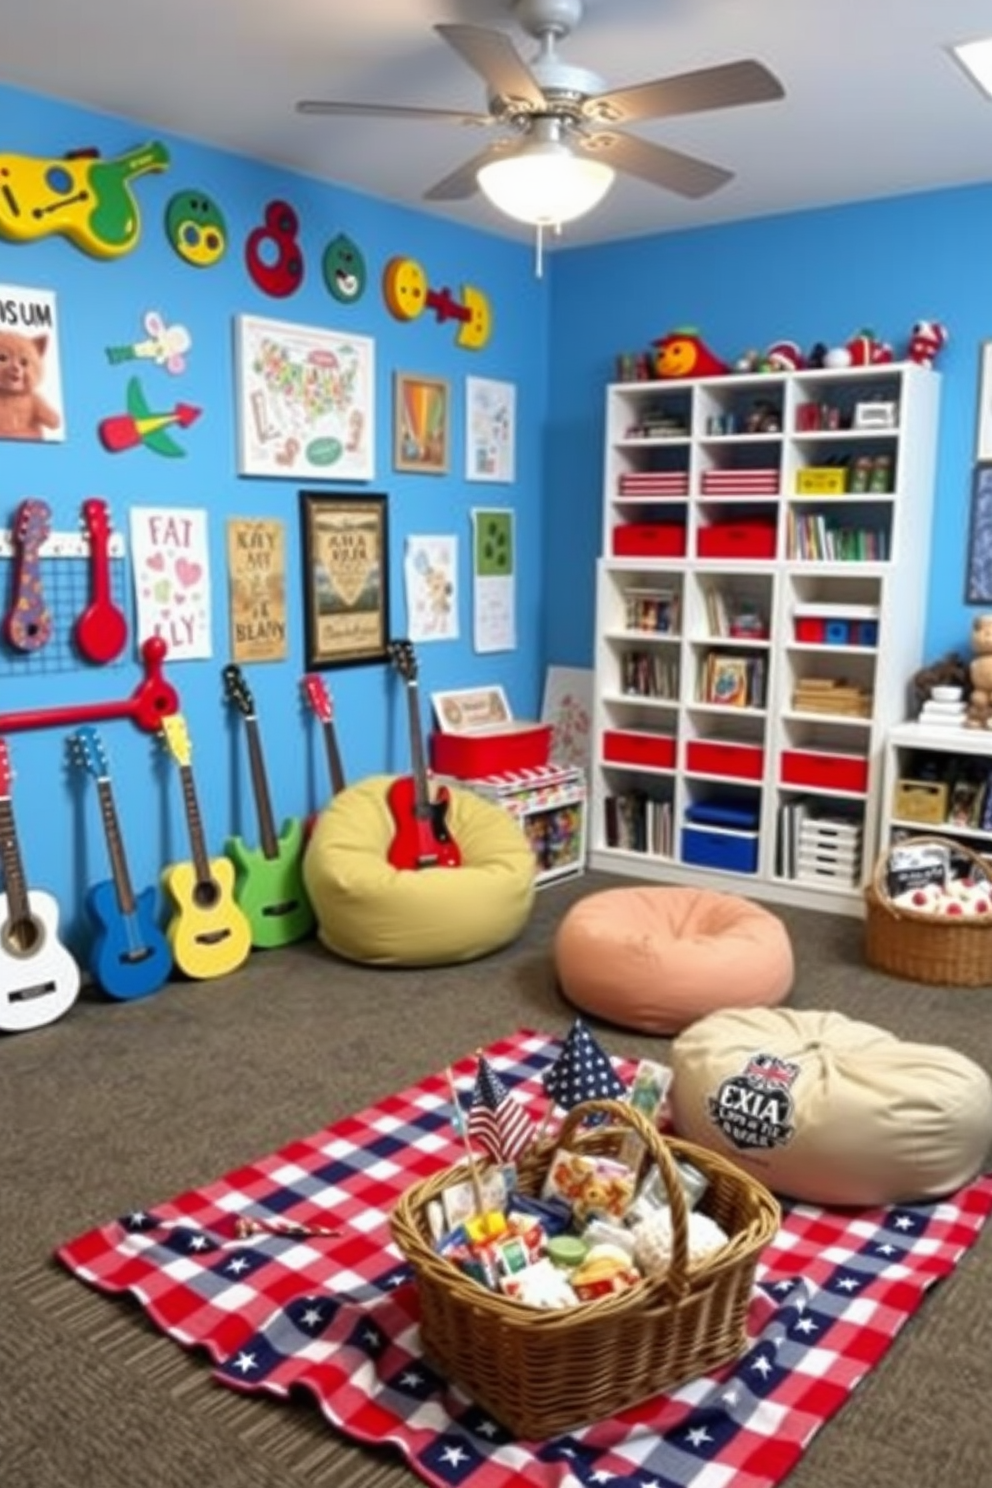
pixel 708 479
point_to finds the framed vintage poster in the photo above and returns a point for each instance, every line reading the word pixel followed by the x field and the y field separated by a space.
pixel 983 421
pixel 490 429
pixel 345 579
pixel 305 401
pixel 421 423
pixel 978 566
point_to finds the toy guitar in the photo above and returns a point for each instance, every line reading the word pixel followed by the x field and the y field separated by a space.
pixel 319 699
pixel 28 622
pixel 268 880
pixel 39 980
pixel 82 196
pixel 209 933
pixel 129 957
pixel 101 629
pixel 422 839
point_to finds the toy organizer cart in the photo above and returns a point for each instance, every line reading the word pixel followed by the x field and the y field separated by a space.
pixel 542 1373
pixel 939 950
pixel 549 802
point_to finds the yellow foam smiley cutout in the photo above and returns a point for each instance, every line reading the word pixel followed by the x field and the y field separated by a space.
pixel 475 332
pixel 404 288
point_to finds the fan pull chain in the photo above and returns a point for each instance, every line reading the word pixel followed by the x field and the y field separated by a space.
pixel 539 252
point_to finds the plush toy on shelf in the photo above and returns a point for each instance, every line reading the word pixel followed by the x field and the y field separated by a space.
pixel 980 672
pixel 926 340
pixel 862 350
pixel 683 353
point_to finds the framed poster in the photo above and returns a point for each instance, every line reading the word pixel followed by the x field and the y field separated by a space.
pixel 305 401
pixel 978 570
pixel 421 425
pixel 490 429
pixel 345 579
pixel 983 422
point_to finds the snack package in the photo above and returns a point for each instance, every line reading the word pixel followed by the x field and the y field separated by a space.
pixel 594 1186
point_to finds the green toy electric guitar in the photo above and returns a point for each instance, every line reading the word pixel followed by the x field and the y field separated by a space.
pixel 268 879
pixel 84 197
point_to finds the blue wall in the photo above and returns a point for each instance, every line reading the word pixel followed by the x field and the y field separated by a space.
pixel 813 276
pixel 806 277
pixel 101 303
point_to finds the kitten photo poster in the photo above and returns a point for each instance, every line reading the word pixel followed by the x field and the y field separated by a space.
pixel 30 378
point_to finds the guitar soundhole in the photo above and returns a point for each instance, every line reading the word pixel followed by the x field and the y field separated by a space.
pixel 23 937
pixel 135 958
pixel 206 895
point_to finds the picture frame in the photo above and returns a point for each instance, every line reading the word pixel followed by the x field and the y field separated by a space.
pixel 345 547
pixel 471 709
pixel 421 423
pixel 305 401
pixel 490 430
pixel 978 559
pixel 983 419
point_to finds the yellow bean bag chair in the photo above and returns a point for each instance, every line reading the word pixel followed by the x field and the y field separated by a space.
pixel 655 959
pixel 830 1110
pixel 371 912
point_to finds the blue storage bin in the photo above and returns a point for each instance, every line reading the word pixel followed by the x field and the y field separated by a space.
pixel 711 847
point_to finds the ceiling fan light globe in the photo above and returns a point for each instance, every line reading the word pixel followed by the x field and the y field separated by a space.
pixel 545 184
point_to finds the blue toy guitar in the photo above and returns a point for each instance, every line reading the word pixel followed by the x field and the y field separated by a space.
pixel 130 956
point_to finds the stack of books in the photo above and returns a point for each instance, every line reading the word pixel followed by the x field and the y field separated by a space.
pixel 831 695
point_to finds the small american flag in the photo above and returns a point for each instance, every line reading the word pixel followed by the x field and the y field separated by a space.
pixel 496 1119
pixel 582 1072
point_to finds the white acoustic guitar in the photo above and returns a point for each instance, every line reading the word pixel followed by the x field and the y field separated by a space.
pixel 39 979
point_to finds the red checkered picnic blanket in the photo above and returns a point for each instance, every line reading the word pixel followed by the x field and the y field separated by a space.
pixel 338 1315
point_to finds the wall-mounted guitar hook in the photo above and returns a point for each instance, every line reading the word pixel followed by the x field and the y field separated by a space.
pixel 152 700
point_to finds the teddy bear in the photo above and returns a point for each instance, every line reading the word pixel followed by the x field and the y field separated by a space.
pixel 980 672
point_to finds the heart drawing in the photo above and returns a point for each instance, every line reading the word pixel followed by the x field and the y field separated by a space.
pixel 187 572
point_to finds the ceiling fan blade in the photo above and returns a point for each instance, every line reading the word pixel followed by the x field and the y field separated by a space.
pixel 462 183
pixel 497 61
pixel 686 175
pixel 390 111
pixel 728 86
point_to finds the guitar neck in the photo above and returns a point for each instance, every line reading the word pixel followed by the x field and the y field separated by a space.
pixel 13 869
pixel 260 787
pixel 334 765
pixel 115 847
pixel 423 799
pixel 198 847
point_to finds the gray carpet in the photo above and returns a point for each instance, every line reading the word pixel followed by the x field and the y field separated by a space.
pixel 126 1104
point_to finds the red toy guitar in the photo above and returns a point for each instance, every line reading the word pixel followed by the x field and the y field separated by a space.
pixel 422 839
pixel 319 699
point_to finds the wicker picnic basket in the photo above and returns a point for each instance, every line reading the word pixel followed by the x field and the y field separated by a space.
pixel 541 1373
pixel 945 952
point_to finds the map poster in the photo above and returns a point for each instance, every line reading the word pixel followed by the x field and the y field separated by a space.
pixel 305 401
pixel 256 566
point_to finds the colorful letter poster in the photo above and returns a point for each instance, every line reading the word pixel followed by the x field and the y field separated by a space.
pixel 494 580
pixel 172 579
pixel 31 389
pixel 431 573
pixel 256 563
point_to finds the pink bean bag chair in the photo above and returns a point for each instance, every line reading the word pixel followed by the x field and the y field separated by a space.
pixel 656 959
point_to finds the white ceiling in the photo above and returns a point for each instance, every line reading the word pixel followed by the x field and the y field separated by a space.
pixel 875 106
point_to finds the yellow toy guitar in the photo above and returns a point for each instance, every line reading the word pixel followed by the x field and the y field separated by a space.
pixel 82 196
pixel 208 933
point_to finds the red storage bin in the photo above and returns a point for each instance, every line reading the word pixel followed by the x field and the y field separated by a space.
pixel 713 757
pixel 470 756
pixel 824 769
pixel 811 629
pixel 753 537
pixel 649 540
pixel 630 747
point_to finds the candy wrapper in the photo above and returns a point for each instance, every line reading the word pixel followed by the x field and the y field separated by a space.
pixel 595 1187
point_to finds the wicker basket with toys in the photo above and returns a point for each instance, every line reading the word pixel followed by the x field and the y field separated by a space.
pixel 928 913
pixel 619 1264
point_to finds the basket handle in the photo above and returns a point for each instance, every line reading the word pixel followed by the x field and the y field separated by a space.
pixel 922 841
pixel 623 1114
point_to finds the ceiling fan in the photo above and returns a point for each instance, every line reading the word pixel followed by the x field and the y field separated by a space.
pixel 560 122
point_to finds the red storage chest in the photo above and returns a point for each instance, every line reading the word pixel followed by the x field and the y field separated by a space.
pixel 631 747
pixel 824 769
pixel 649 540
pixel 468 756
pixel 716 757
pixel 752 537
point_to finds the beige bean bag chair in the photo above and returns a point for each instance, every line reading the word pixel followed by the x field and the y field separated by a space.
pixel 822 1108
pixel 369 911
pixel 655 959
